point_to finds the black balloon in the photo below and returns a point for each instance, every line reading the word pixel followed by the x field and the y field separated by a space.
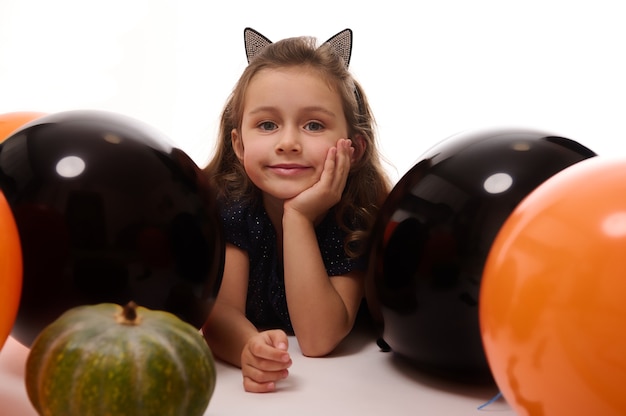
pixel 108 211
pixel 433 235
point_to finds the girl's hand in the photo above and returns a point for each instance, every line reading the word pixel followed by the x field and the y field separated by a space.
pixel 265 360
pixel 318 199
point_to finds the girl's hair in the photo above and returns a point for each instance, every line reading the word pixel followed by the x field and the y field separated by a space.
pixel 367 185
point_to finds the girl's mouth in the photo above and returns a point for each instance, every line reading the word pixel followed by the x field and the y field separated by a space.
pixel 288 169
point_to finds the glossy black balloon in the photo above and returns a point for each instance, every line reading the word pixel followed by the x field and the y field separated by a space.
pixel 108 211
pixel 433 235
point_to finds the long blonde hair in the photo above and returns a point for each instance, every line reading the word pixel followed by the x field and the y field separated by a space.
pixel 367 185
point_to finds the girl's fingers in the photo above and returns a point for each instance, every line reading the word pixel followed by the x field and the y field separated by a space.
pixel 260 375
pixel 265 356
pixel 346 156
pixel 267 351
pixel 263 364
pixel 264 376
pixel 252 386
pixel 329 166
pixel 265 361
pixel 341 164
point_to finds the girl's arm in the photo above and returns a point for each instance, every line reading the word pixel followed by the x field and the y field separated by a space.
pixel 227 329
pixel 262 357
pixel 322 309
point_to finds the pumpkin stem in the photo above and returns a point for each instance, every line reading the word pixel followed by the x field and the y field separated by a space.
pixel 129 314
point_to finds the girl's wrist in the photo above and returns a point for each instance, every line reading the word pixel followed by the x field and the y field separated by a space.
pixel 295 217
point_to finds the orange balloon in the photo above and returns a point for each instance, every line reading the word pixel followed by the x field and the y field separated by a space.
pixel 10 269
pixel 10 122
pixel 552 303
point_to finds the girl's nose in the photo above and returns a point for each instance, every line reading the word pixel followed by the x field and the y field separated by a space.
pixel 289 141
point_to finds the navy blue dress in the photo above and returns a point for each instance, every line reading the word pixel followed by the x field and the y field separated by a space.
pixel 249 228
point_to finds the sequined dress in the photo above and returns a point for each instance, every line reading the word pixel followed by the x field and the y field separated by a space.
pixel 249 228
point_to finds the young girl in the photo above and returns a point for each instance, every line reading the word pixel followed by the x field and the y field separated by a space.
pixel 299 180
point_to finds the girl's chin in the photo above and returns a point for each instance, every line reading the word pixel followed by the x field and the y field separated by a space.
pixel 281 195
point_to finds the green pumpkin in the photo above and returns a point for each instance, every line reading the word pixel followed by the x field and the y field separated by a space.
pixel 99 360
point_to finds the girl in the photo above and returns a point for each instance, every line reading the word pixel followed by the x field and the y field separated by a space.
pixel 299 180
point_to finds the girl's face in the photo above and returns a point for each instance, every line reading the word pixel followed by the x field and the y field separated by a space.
pixel 291 118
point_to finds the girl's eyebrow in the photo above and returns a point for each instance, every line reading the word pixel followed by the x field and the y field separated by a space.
pixel 320 109
pixel 305 109
pixel 261 110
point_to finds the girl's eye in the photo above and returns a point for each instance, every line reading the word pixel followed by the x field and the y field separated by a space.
pixel 267 125
pixel 314 126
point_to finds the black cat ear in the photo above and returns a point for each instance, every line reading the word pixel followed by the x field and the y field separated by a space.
pixel 342 45
pixel 255 42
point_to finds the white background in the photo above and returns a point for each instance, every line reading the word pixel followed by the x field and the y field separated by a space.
pixel 430 68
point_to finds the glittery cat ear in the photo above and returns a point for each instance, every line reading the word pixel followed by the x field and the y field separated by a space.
pixel 342 44
pixel 255 42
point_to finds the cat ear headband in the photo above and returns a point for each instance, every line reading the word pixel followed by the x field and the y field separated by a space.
pixel 341 43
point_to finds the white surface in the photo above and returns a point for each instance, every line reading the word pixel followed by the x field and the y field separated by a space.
pixel 358 379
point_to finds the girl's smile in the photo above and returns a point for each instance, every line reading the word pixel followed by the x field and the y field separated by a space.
pixel 289 169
